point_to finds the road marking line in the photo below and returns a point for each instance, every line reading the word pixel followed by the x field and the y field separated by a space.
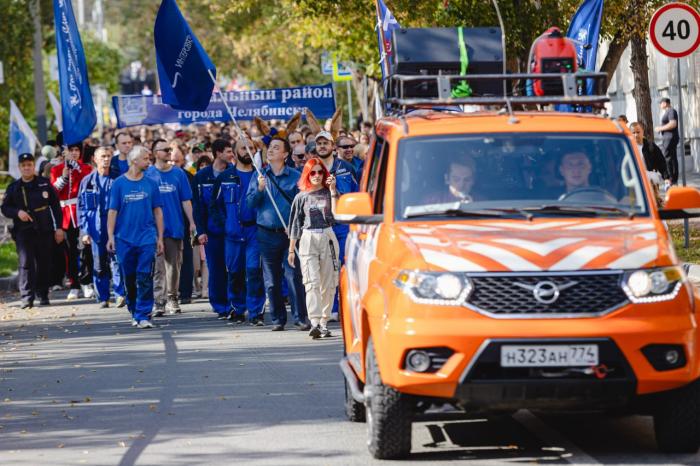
pixel 551 436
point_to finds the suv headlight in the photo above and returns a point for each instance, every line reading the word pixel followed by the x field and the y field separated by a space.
pixel 653 285
pixel 443 288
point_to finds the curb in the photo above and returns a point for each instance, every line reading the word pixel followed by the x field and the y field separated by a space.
pixel 9 283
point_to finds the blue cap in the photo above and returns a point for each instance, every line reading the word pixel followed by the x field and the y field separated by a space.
pixel 24 157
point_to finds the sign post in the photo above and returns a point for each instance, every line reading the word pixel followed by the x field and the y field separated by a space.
pixel 675 32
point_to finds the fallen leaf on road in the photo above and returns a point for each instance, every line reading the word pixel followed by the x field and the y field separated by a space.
pixel 87 399
pixel 60 445
pixel 152 407
pixel 122 444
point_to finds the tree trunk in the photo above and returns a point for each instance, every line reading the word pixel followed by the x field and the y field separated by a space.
pixel 615 51
pixel 642 94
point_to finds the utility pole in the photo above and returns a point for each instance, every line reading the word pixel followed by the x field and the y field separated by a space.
pixel 39 91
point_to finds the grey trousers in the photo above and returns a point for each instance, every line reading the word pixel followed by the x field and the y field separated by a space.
pixel 166 279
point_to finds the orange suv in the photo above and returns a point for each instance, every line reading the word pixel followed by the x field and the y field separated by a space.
pixel 499 262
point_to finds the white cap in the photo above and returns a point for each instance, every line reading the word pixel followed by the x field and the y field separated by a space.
pixel 48 151
pixel 324 135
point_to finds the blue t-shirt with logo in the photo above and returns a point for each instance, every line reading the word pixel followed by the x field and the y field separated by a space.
pixel 134 202
pixel 174 190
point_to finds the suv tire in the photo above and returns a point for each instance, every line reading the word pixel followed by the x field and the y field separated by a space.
pixel 388 414
pixel 354 411
pixel 677 420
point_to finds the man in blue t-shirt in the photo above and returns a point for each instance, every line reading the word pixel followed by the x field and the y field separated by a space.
pixel 135 232
pixel 93 206
pixel 245 278
pixel 119 165
pixel 176 195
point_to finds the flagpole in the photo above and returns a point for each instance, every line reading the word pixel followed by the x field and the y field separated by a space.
pixel 240 132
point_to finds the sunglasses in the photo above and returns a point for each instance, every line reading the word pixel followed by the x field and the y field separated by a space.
pixel 351 146
pixel 167 149
pixel 301 156
pixel 316 172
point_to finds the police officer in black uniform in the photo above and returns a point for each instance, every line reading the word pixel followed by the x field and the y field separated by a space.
pixel 33 205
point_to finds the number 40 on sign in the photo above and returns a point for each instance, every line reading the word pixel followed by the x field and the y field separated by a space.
pixel 675 30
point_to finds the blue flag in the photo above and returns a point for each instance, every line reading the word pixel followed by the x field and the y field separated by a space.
pixel 78 111
pixel 183 64
pixel 386 23
pixel 585 31
pixel 22 139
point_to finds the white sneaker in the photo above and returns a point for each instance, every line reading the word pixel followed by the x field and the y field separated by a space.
pixel 88 291
pixel 334 317
pixel 145 324
pixel 72 294
pixel 134 323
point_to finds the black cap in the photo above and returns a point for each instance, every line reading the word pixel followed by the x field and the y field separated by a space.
pixel 25 157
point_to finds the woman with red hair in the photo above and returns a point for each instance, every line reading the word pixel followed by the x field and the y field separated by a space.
pixel 310 225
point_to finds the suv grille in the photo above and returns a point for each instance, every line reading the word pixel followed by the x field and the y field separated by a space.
pixel 510 294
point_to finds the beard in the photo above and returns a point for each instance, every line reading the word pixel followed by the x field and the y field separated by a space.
pixel 245 160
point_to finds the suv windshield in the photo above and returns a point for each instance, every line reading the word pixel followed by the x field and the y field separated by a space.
pixel 507 175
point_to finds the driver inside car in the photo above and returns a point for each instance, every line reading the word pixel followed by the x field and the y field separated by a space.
pixel 575 168
pixel 459 181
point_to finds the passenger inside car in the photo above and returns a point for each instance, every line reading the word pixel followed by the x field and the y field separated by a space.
pixel 459 181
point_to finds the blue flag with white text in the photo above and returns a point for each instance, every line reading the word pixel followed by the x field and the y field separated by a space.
pixel 585 31
pixel 183 65
pixel 78 111
pixel 386 23
pixel 22 139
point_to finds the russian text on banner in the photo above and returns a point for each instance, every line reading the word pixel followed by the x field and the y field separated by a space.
pixel 268 104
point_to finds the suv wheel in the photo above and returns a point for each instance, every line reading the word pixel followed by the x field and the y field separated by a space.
pixel 388 413
pixel 354 411
pixel 677 420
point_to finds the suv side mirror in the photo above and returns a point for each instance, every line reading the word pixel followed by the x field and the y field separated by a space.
pixel 356 208
pixel 681 202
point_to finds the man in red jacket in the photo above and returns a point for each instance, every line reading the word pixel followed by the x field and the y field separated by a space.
pixel 66 178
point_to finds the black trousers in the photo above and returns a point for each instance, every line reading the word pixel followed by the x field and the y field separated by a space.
pixel 33 251
pixel 670 154
pixel 73 257
pixel 187 270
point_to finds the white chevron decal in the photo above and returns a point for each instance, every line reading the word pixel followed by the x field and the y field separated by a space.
pixel 636 259
pixel 429 240
pixel 450 262
pixel 596 225
pixel 541 249
pixel 579 258
pixel 502 256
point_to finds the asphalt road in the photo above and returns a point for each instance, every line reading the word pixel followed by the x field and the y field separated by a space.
pixel 78 385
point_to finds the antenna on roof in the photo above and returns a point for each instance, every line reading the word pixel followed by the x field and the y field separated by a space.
pixel 512 118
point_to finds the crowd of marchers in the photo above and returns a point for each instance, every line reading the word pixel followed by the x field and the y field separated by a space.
pixel 151 218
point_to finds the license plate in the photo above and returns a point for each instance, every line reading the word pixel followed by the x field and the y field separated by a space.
pixel 549 355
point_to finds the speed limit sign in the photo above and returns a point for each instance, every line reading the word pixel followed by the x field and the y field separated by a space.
pixel 675 30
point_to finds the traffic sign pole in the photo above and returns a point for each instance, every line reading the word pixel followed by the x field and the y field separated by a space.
pixel 675 32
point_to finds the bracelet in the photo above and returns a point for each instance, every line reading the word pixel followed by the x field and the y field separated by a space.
pixel 291 252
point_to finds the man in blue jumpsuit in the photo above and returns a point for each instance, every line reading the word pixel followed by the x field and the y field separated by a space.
pixel 345 182
pixel 273 241
pixel 245 278
pixel 93 205
pixel 135 231
pixel 209 219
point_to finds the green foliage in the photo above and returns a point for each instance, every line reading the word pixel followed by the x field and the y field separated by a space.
pixel 8 259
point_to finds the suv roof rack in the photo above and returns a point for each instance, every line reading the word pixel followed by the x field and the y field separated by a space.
pixel 409 91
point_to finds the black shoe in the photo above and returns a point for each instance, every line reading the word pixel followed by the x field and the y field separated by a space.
pixel 27 305
pixel 158 313
pixel 185 301
pixel 224 316
pixel 44 301
pixel 257 322
pixel 277 328
pixel 298 324
pixel 103 305
pixel 305 327
pixel 315 332
pixel 238 319
pixel 325 333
